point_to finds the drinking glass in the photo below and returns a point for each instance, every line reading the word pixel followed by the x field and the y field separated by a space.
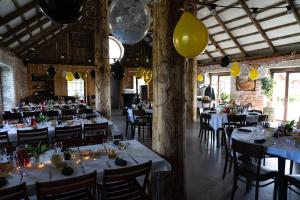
pixel 58 146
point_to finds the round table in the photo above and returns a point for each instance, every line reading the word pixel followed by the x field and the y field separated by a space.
pixel 283 148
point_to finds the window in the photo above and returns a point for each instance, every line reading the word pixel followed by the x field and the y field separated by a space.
pixel 286 94
pixel 221 84
pixel 138 83
pixel 76 88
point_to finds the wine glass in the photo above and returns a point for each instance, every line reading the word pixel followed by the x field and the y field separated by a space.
pixel 58 146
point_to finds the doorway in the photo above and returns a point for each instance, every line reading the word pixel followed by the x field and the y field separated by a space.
pixel 286 95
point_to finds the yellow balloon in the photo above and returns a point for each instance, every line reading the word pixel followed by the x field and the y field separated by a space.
pixel 140 72
pixel 235 69
pixel 200 77
pixel 69 76
pixel 253 74
pixel 190 37
pixel 148 76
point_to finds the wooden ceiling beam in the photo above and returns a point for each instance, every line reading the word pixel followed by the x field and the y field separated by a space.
pixel 48 42
pixel 27 31
pixel 22 25
pixel 257 25
pixel 48 31
pixel 209 55
pixel 216 45
pixel 17 13
pixel 294 10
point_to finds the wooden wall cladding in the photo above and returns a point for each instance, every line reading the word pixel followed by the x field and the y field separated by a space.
pixel 60 82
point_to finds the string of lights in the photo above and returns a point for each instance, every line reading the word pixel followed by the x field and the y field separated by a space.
pixel 212 7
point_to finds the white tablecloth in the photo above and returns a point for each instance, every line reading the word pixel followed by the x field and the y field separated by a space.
pixel 284 146
pixel 217 119
pixel 12 130
pixel 135 150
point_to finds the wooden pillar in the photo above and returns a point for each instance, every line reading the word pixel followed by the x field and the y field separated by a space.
pixel 102 80
pixel 169 115
pixel 191 90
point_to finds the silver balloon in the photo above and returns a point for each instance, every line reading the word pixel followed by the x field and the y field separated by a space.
pixel 129 21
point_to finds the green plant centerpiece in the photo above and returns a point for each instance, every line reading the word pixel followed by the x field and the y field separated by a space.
pixel 267 85
pixel 224 97
pixel 36 150
pixel 288 128
pixel 41 118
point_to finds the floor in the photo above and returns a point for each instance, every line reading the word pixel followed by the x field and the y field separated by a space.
pixel 204 168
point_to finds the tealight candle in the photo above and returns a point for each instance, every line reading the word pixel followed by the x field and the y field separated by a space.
pixel 29 165
pixel 41 165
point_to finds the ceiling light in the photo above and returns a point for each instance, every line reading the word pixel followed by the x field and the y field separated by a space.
pixel 32 49
pixel 62 56
pixel 1 37
pixel 289 9
pixel 212 8
pixel 254 12
pixel 89 60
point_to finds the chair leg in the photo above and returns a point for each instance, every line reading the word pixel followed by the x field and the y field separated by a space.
pixel 230 164
pixel 234 185
pixel 126 128
pixel 201 135
pixel 132 131
pixel 248 185
pixel 291 166
pixel 275 189
pixel 225 167
pixel 256 190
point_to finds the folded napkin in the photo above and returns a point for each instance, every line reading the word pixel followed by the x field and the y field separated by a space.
pixel 259 141
pixel 244 130
pixel 3 181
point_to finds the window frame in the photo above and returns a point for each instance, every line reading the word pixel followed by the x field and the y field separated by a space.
pixel 220 74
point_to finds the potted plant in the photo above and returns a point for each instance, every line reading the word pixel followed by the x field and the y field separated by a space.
pixel 224 97
pixel 36 151
pixel 288 128
pixel 267 86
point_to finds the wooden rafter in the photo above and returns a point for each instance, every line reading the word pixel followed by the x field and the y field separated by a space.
pixel 17 13
pixel 209 55
pixel 43 34
pixel 294 10
pixel 216 45
pixel 30 54
pixel 257 25
pixel 22 25
pixel 27 31
pixel 219 20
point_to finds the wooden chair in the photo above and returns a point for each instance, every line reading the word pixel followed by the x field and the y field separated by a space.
pixel 15 192
pixel 94 133
pixel 67 114
pixel 293 181
pixel 77 188
pixel 30 114
pixel 262 119
pixel 122 184
pixel 227 147
pixel 141 121
pixel 67 133
pixel 51 114
pixel 32 136
pixel 13 118
pixel 129 122
pixel 236 120
pixel 249 170
pixel 205 127
pixel 86 111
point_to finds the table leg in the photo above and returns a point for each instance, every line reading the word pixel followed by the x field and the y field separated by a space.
pixel 282 193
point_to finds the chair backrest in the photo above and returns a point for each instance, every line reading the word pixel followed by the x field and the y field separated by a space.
pixel 227 139
pixel 14 117
pixel 138 113
pixel 128 176
pixel 67 132
pixel 86 111
pixel 4 139
pixel 30 114
pixel 245 148
pixel 15 192
pixel 80 187
pixel 205 120
pixel 237 120
pixel 51 113
pixel 32 136
pixel 263 119
pixel 67 114
pixel 95 132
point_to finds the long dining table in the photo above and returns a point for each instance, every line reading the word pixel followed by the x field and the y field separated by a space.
pixel 135 153
pixel 283 148
pixel 12 129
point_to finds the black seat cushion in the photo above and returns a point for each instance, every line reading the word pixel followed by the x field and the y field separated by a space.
pixel 294 180
pixel 249 169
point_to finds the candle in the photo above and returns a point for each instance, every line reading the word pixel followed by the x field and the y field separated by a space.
pixel 41 165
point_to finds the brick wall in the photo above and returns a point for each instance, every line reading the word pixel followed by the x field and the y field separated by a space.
pixel 13 79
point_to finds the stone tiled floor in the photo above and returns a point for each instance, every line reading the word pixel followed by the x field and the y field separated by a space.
pixel 204 168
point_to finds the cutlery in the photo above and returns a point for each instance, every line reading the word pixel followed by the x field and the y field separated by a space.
pixel 108 164
pixel 132 158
